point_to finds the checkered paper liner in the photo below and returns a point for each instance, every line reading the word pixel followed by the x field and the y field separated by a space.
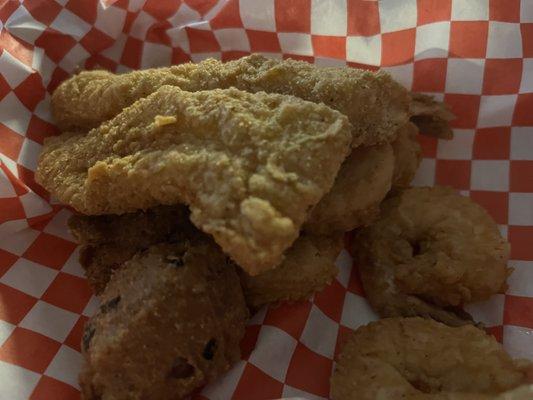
pixel 475 55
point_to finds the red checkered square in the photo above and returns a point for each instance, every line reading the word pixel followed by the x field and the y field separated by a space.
pixel 306 363
pixel 95 41
pixel 44 11
pixel 398 47
pixel 434 11
pixel 263 41
pixel 492 144
pixel 468 39
pixel 465 107
pixel 520 238
pixel 496 203
pixel 354 284
pixel 293 16
pixel 202 6
pixel 29 350
pixel 343 335
pixel 527 39
pixel 232 55
pixel 330 300
pixel 11 209
pixel 73 339
pixel 31 91
pixel 329 46
pixel 14 304
pixel 428 146
pixel 58 76
pixel 68 292
pixel 363 18
pixel 6 260
pixel 28 178
pixel 86 10
pixel 10 142
pixel 131 56
pixel 160 10
pixel 249 340
pixel 228 16
pixel 8 8
pixel 253 378
pixel 50 388
pixel 157 33
pixel 4 87
pixel 430 75
pixel 19 49
pixel 55 44
pixel 504 10
pixel 202 41
pixel 496 331
pixel 50 250
pixel 454 173
pixel 521 173
pixel 502 76
pixel 522 112
pixel 39 129
pixel 518 311
pixel 277 316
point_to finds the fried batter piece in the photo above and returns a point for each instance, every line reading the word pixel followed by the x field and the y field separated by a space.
pixel 249 166
pixel 432 117
pixel 362 183
pixel 430 252
pixel 308 266
pixel 375 104
pixel 407 156
pixel 170 320
pixel 418 359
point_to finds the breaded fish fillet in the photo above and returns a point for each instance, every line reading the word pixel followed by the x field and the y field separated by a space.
pixel 249 166
pixel 375 104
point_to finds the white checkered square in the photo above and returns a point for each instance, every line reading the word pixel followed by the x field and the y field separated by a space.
pixel 91 307
pixel 273 352
pixel 29 154
pixel 5 331
pixel 526 11
pixel 292 393
pixel 356 311
pixel 179 39
pixel 74 59
pixel 13 71
pixel 29 277
pixel 110 20
pixel 489 312
pixel 504 41
pixel 17 383
pixel 520 280
pixel 526 83
pixel 49 320
pixel 521 209
pixel 259 317
pixel 58 225
pixel 460 148
pixel 296 43
pixel 6 188
pixel 468 10
pixel 141 24
pixel 397 15
pixel 320 333
pixel 464 76
pixel 492 175
pixel 402 73
pixel 155 55
pixel 115 51
pixel 70 24
pixel 66 366
pixel 364 49
pixel 72 265
pixel 184 16
pixel 22 25
pixel 518 341
pixel 344 263
pixel 14 114
pixel 425 175
pixel 16 236
pixel 34 205
pixel 43 64
pixel 258 15
pixel 496 110
pixel 432 40
pixel 233 39
pixel 323 12
pixel 224 386
pixel 521 143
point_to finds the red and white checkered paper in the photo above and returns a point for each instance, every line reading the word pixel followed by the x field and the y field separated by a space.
pixel 477 55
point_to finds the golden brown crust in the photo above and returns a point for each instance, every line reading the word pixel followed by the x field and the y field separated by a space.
pixel 248 165
pixel 432 117
pixel 417 359
pixel 375 104
pixel 407 156
pixel 171 320
pixel 430 249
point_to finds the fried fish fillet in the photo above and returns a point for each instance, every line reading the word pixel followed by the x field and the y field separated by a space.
pixel 108 241
pixel 375 104
pixel 249 166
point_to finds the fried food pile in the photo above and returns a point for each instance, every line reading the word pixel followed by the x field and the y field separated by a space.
pixel 205 191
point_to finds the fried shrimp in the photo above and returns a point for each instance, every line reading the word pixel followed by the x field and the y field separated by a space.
pixel 418 359
pixel 362 183
pixel 375 104
pixel 430 252
pixel 170 320
pixel 249 166
pixel 407 156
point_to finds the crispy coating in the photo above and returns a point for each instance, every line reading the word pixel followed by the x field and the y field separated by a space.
pixel 375 104
pixel 308 266
pixel 407 156
pixel 432 117
pixel 362 183
pixel 170 321
pixel 249 166
pixel 418 359
pixel 430 250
